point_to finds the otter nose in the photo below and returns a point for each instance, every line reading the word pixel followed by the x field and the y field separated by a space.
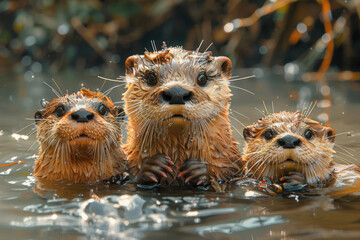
pixel 289 142
pixel 82 115
pixel 176 95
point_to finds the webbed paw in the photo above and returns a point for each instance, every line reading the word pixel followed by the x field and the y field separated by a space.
pixel 153 169
pixel 118 179
pixel 195 173
pixel 294 181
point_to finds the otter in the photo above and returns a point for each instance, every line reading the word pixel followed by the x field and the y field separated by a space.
pixel 292 149
pixel 178 105
pixel 80 138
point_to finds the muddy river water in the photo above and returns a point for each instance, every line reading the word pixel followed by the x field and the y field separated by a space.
pixel 62 210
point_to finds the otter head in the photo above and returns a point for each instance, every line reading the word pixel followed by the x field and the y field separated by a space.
pixel 175 87
pixel 77 127
pixel 288 141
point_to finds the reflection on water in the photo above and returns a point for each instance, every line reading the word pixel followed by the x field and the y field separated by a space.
pixel 32 209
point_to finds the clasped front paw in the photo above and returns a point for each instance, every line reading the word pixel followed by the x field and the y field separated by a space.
pixel 118 179
pixel 294 181
pixel 154 169
pixel 194 172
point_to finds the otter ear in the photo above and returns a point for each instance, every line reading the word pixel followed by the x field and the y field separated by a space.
pixel 131 64
pixel 330 134
pixel 120 113
pixel 247 133
pixel 38 116
pixel 224 65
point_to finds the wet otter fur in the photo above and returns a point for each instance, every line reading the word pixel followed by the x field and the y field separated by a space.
pixel 179 131
pixel 80 137
pixel 291 148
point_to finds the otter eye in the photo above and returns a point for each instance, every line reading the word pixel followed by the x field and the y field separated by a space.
pixel 60 111
pixel 268 134
pixel 202 80
pixel 151 79
pixel 308 134
pixel 102 109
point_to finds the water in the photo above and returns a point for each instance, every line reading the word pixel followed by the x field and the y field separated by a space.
pixel 47 210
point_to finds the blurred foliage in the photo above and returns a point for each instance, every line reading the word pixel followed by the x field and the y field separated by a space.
pixel 50 35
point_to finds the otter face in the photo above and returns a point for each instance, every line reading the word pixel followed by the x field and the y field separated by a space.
pixel 85 122
pixel 177 86
pixel 288 141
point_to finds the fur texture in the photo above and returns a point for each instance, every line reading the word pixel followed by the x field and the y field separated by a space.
pixel 312 158
pixel 79 151
pixel 203 131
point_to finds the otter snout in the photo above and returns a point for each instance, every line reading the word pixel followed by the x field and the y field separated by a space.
pixel 176 95
pixel 82 116
pixel 289 142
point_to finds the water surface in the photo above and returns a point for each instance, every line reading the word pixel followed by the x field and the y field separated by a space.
pixel 46 210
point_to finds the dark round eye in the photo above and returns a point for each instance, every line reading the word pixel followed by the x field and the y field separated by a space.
pixel 38 116
pixel 60 111
pixel 151 79
pixel 103 110
pixel 268 134
pixel 308 134
pixel 202 80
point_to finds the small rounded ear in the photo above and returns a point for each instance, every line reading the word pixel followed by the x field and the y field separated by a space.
pixel 330 134
pixel 131 64
pixel 38 116
pixel 248 134
pixel 225 65
pixel 120 113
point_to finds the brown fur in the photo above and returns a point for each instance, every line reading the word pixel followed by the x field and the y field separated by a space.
pixel 204 133
pixel 313 158
pixel 64 154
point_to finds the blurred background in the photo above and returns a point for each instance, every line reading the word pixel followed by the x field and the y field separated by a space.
pixel 52 36
pixel 302 48
pixel 302 54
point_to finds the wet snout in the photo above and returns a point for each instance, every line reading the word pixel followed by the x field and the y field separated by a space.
pixel 288 142
pixel 82 116
pixel 176 95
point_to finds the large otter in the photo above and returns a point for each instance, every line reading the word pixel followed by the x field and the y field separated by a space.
pixel 293 149
pixel 177 102
pixel 80 138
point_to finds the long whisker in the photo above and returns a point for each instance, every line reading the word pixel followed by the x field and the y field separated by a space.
pixel 243 89
pixel 57 87
pixel 53 90
pixel 111 80
pixel 241 78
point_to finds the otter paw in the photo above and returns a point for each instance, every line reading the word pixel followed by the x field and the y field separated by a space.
pixel 153 169
pixel 118 179
pixel 266 185
pixel 294 181
pixel 195 173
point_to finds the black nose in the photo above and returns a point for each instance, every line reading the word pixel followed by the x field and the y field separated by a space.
pixel 289 142
pixel 176 95
pixel 82 115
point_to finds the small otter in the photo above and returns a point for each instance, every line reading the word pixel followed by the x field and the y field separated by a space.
pixel 291 148
pixel 177 102
pixel 80 138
